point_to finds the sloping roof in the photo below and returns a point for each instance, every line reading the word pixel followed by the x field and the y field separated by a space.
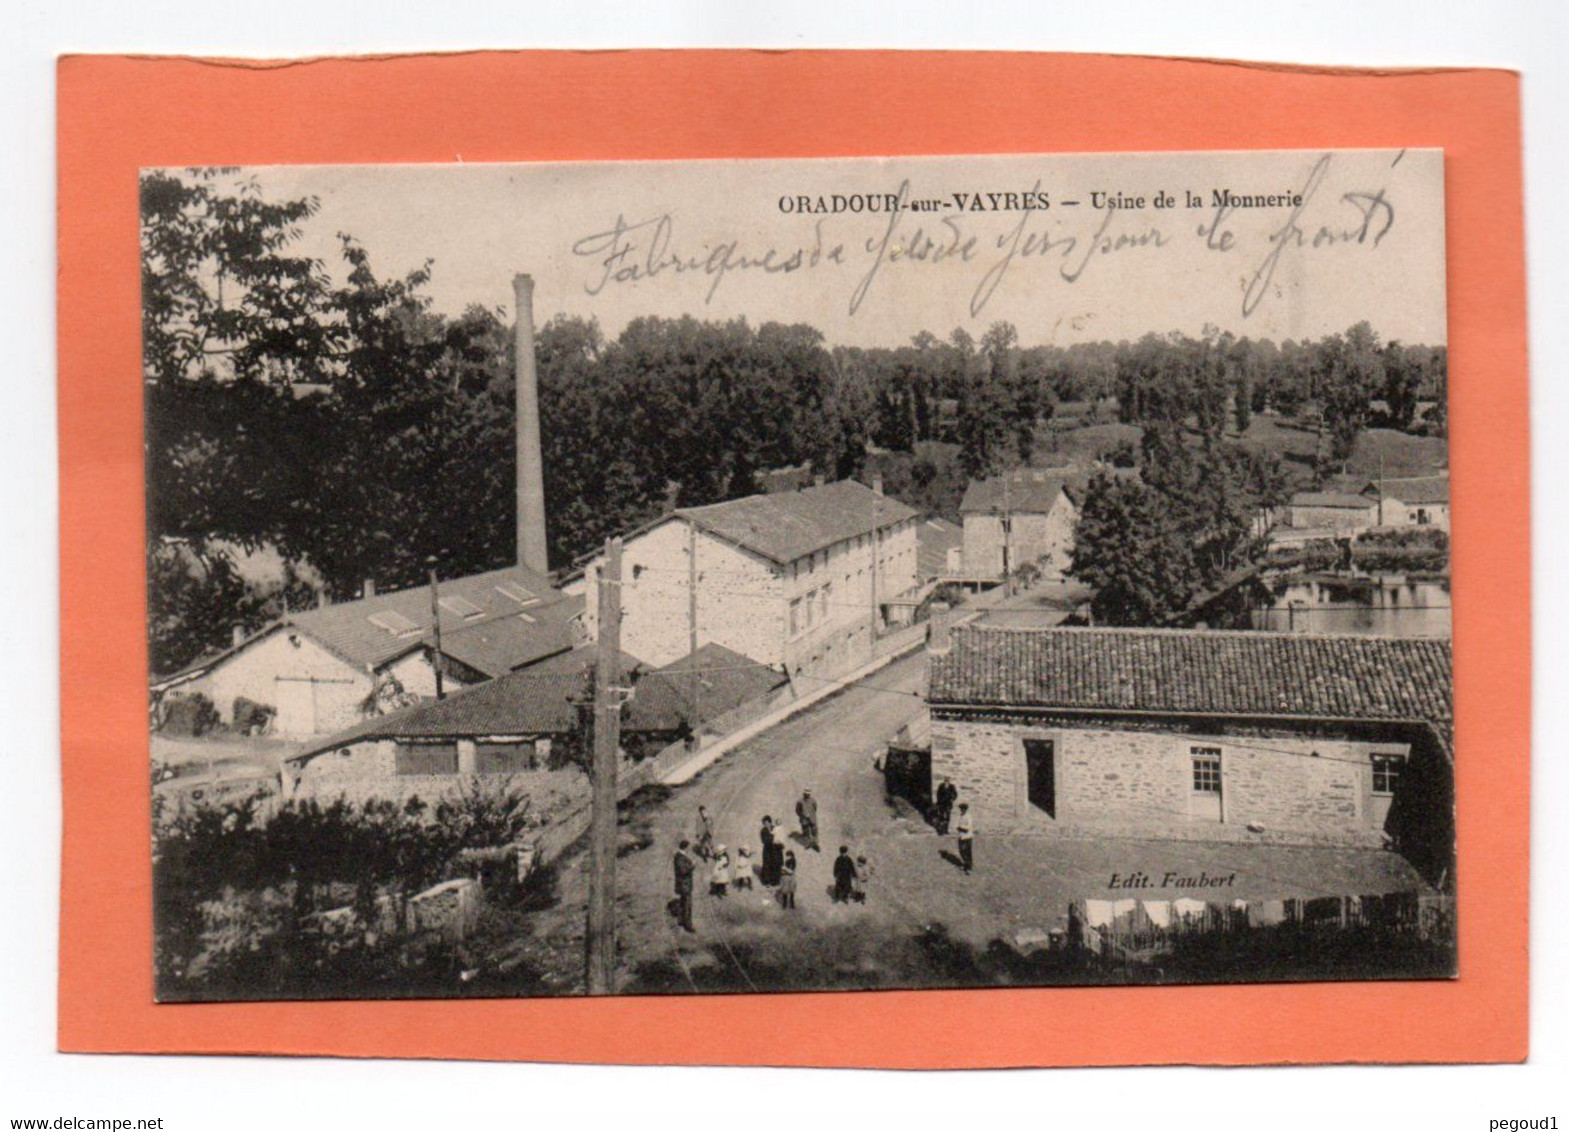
pixel 535 701
pixel 725 679
pixel 499 633
pixel 789 525
pixel 1413 489
pixel 1331 499
pixel 501 644
pixel 1277 675
pixel 539 700
pixel 1029 491
pixel 933 539
pixel 347 629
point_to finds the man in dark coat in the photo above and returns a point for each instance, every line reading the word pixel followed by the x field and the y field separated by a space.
pixel 947 795
pixel 773 852
pixel 844 875
pixel 684 868
pixel 806 811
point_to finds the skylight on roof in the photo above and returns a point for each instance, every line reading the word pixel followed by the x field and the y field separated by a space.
pixel 393 622
pixel 462 606
pixel 516 592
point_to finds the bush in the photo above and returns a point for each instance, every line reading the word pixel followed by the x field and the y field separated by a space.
pixel 188 713
pixel 252 718
pixel 1402 550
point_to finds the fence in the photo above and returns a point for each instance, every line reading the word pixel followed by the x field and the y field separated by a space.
pixel 1130 932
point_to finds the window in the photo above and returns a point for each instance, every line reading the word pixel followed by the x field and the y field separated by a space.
pixel 1386 772
pixel 505 757
pixel 827 591
pixel 1206 770
pixel 516 592
pixel 393 622
pixel 462 606
pixel 427 758
pixel 795 616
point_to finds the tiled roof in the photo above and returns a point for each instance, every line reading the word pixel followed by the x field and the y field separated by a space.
pixel 725 679
pixel 1331 499
pixel 1413 489
pixel 481 625
pixel 347 629
pixel 789 525
pixel 1030 491
pixel 933 539
pixel 500 644
pixel 538 700
pixel 1198 672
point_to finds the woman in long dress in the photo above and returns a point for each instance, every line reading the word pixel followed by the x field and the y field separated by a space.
pixel 773 853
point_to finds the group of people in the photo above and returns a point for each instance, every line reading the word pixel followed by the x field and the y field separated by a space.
pixel 776 869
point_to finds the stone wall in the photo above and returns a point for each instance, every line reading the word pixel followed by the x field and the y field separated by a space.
pixel 1138 781
pixel 361 772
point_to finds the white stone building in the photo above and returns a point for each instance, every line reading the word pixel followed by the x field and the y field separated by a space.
pixel 321 670
pixel 1411 501
pixel 790 580
pixel 1026 517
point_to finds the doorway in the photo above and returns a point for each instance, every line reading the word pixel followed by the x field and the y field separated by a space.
pixel 1040 774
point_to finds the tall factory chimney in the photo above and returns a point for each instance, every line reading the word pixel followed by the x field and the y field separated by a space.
pixel 531 484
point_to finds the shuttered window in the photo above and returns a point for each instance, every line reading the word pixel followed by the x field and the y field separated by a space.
pixel 427 758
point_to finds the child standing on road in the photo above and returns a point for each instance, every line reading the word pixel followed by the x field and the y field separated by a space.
pixel 863 877
pixel 719 878
pixel 743 869
pixel 787 882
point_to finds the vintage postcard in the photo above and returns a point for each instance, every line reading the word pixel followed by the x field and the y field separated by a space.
pixel 798 575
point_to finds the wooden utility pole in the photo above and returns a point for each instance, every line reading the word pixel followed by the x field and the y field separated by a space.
pixel 691 625
pixel 1007 536
pixel 435 621
pixel 607 747
pixel 876 562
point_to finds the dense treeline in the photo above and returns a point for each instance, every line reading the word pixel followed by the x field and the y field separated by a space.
pixel 339 425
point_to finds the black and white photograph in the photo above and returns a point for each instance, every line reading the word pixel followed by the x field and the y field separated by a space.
pixel 710 577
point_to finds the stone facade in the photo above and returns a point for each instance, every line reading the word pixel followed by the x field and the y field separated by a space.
pixel 1045 539
pixel 365 770
pixel 1139 781
pixel 1350 520
pixel 809 616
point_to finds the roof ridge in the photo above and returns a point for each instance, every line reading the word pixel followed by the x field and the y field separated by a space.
pixel 1151 631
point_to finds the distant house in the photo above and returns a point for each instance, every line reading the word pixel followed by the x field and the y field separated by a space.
pixel 939 549
pixel 789 579
pixel 1412 501
pixel 1026 517
pixel 1199 735
pixel 1332 514
pixel 325 668
pixel 512 724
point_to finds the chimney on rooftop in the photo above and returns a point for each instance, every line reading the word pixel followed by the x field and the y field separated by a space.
pixel 819 480
pixel 237 635
pixel 530 472
pixel 939 632
pixel 877 483
pixel 370 588
pixel 321 599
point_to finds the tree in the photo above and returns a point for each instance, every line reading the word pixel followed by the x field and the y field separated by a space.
pixel 988 432
pixel 1129 549
pixel 1351 371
